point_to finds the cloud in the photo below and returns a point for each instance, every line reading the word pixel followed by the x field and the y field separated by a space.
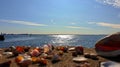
pixel 23 22
pixel 76 27
pixel 106 24
pixel 73 23
pixel 115 3
pixel 109 25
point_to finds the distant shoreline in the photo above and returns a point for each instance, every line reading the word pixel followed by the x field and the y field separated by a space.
pixel 56 34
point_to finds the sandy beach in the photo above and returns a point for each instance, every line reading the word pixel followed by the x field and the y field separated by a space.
pixel 66 60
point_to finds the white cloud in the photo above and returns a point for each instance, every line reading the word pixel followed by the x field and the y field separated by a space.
pixel 107 24
pixel 73 23
pixel 23 22
pixel 76 27
pixel 115 3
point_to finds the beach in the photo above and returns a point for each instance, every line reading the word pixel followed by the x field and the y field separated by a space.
pixel 66 60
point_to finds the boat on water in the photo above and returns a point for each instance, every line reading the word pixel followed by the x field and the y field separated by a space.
pixel 2 37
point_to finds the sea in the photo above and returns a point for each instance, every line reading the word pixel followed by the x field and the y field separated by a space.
pixel 38 40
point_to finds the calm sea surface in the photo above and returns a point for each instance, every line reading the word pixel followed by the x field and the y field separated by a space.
pixel 39 40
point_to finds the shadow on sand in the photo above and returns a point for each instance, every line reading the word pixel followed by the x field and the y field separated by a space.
pixel 116 59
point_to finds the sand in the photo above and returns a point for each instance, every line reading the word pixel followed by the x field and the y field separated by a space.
pixel 66 60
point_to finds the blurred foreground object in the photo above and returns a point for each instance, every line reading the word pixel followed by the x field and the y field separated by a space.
pixel 109 46
pixel 5 64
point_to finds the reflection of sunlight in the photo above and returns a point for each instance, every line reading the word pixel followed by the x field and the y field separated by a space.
pixel 62 39
pixel 64 36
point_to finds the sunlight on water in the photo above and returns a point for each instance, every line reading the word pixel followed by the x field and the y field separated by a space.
pixel 64 36
pixel 40 40
pixel 62 39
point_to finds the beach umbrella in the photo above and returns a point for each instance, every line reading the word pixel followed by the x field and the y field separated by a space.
pixel 109 46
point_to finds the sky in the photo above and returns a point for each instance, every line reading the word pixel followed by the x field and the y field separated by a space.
pixel 60 16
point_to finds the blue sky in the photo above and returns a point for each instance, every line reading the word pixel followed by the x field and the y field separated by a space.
pixel 60 16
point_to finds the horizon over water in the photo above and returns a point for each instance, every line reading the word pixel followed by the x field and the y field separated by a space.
pixel 56 39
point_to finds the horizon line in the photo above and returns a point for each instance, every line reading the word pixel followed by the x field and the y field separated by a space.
pixel 48 34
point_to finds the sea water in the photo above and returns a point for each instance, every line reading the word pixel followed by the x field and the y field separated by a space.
pixel 40 40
